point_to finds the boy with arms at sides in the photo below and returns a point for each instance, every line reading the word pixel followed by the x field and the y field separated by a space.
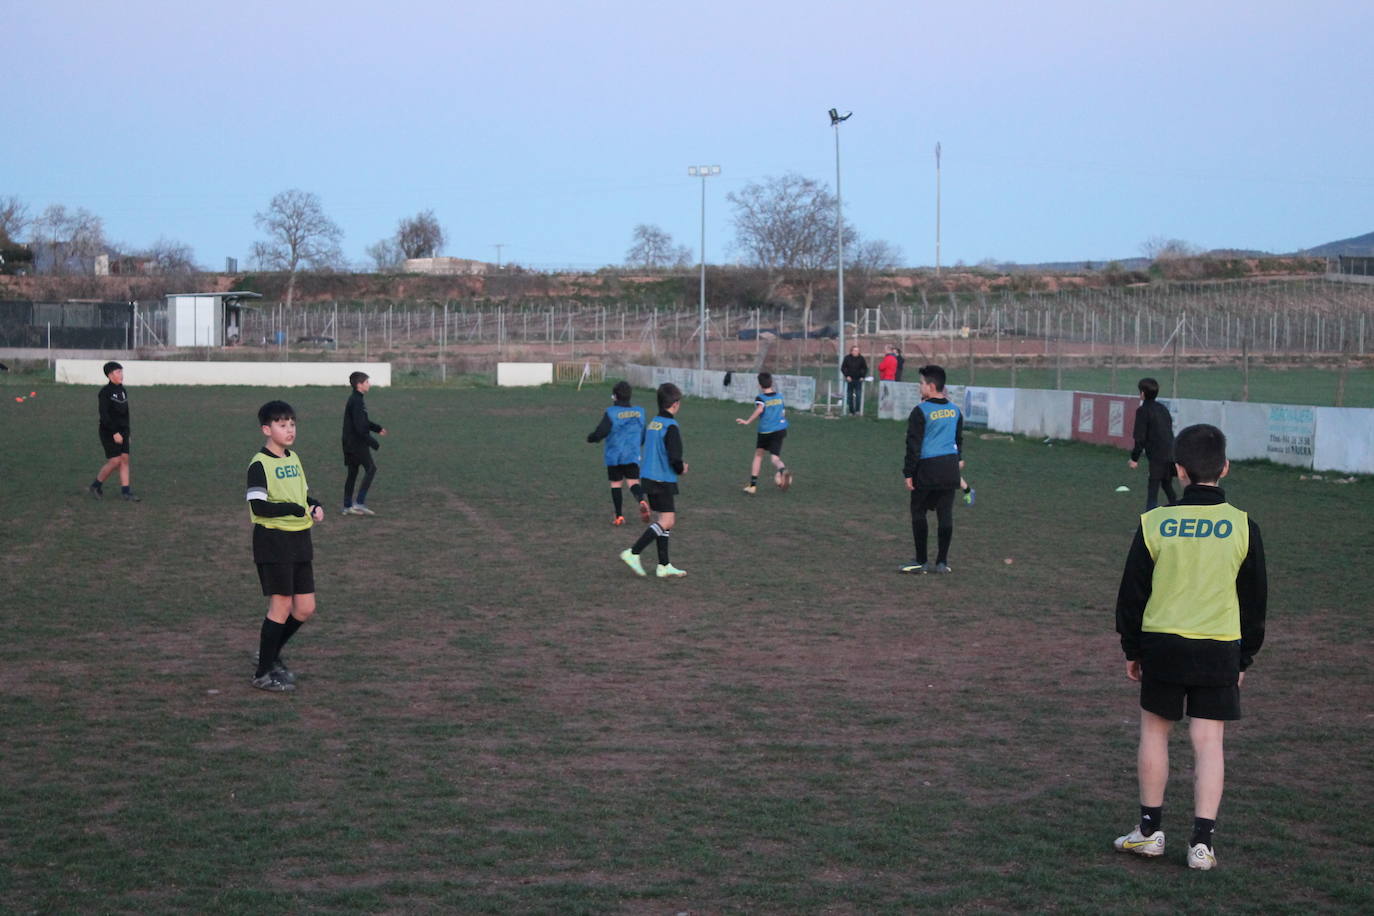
pixel 282 511
pixel 1190 611
pixel 771 413
pixel 661 465
pixel 1154 435
pixel 934 445
pixel 358 445
pixel 622 429
pixel 114 433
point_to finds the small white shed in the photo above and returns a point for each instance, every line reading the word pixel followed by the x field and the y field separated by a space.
pixel 205 319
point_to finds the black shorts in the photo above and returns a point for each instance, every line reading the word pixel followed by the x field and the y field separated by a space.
pixel 660 495
pixel 112 448
pixel 931 499
pixel 617 472
pixel 1167 700
pixel 771 442
pixel 286 578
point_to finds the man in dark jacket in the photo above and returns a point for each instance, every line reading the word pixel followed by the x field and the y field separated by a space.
pixel 854 368
pixel 1154 435
pixel 358 443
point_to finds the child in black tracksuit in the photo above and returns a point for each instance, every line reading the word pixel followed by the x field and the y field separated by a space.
pixel 358 444
pixel 1154 435
pixel 114 434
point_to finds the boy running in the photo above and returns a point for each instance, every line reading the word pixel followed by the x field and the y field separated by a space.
pixel 1190 611
pixel 358 445
pixel 114 433
pixel 622 429
pixel 662 464
pixel 934 444
pixel 772 416
pixel 282 511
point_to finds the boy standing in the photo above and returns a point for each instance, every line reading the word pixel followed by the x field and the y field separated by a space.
pixel 358 444
pixel 934 444
pixel 1190 611
pixel 771 413
pixel 662 464
pixel 282 511
pixel 1154 435
pixel 622 428
pixel 114 433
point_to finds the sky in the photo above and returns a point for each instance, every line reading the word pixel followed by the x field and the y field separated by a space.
pixel 1070 131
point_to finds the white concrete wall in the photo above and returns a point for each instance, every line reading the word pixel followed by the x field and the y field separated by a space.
pixel 139 372
pixel 523 374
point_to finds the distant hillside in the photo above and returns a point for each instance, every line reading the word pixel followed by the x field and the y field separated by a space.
pixel 1359 245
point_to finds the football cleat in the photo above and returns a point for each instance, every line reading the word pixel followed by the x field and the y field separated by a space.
pixel 751 489
pixel 618 520
pixel 669 571
pixel 1201 857
pixel 644 514
pixel 969 496
pixel 631 560
pixel 272 681
pixel 1141 845
pixel 941 568
pixel 913 568
pixel 96 492
pixel 360 509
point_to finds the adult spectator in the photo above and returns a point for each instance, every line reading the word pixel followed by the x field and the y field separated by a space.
pixel 887 366
pixel 854 368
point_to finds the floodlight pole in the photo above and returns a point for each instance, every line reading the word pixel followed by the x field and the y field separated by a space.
pixel 835 120
pixel 937 209
pixel 703 172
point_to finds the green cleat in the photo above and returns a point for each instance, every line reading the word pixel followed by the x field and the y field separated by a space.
pixel 632 560
pixel 669 571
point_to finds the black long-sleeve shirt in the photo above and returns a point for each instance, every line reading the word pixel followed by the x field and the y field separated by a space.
pixel 114 409
pixel 357 428
pixel 1179 659
pixel 1154 435
pixel 854 367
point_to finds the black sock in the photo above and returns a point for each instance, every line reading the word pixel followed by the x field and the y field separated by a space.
pixel 753 480
pixel 663 549
pixel 618 498
pixel 1202 831
pixel 646 539
pixel 967 488
pixel 97 484
pixel 1150 819
pixel 269 644
pixel 942 538
pixel 637 491
pixel 288 630
pixel 124 490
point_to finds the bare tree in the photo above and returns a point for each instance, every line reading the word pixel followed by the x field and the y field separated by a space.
pixel 386 255
pixel 420 236
pixel 1158 248
pixel 865 260
pixel 14 218
pixel 299 234
pixel 786 226
pixel 68 241
pixel 170 257
pixel 654 249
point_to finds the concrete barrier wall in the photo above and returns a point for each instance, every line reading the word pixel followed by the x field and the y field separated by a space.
pixel 1344 440
pixel 140 372
pixel 798 391
pixel 1043 413
pixel 522 374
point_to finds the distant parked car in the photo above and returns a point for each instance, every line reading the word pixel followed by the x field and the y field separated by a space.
pixel 316 339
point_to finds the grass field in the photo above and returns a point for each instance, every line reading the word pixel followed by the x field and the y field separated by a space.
pixel 494 716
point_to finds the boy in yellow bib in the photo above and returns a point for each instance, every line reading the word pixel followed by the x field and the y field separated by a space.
pixel 1190 612
pixel 282 510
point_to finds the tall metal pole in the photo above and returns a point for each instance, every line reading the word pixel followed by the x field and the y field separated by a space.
pixel 835 120
pixel 704 172
pixel 701 305
pixel 937 209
